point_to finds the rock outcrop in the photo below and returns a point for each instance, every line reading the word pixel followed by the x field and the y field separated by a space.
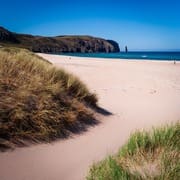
pixel 7 36
pixel 58 44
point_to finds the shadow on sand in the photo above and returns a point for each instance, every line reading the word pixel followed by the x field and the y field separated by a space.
pixel 102 111
pixel 83 124
pixel 71 129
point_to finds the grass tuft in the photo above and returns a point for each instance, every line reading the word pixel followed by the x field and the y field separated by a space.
pixel 147 155
pixel 38 101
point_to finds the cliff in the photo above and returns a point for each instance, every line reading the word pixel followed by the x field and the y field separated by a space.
pixel 57 44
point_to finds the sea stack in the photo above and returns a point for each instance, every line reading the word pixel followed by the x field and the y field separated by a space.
pixel 126 49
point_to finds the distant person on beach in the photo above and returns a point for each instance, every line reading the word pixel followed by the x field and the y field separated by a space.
pixel 174 61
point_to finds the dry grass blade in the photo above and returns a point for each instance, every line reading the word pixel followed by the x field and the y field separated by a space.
pixel 39 102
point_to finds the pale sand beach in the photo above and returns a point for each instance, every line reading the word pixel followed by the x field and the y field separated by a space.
pixel 139 94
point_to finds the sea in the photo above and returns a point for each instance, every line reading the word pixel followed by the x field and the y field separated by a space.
pixel 170 56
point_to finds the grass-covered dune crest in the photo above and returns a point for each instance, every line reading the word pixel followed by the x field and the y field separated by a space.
pixel 151 155
pixel 38 101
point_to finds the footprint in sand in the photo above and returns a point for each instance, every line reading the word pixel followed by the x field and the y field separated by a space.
pixel 153 91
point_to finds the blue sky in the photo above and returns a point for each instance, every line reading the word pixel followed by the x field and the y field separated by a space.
pixel 139 24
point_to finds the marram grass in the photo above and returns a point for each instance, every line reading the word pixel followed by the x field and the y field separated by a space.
pixel 151 155
pixel 39 102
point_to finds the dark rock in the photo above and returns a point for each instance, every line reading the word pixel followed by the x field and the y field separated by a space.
pixel 115 45
pixel 126 49
pixel 7 36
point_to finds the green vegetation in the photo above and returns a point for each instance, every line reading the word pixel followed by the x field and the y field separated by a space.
pixel 39 102
pixel 147 155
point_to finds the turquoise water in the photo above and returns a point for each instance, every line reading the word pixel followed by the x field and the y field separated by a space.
pixel 132 55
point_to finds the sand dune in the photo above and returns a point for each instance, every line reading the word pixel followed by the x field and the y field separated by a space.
pixel 139 94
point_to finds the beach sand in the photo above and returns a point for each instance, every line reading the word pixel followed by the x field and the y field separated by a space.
pixel 139 94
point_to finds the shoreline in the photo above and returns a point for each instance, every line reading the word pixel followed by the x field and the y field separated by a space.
pixel 139 94
pixel 123 56
pixel 111 59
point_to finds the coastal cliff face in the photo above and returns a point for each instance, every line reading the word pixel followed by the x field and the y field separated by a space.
pixel 7 36
pixel 57 44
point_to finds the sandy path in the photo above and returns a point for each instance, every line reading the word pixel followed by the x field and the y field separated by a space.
pixel 140 94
